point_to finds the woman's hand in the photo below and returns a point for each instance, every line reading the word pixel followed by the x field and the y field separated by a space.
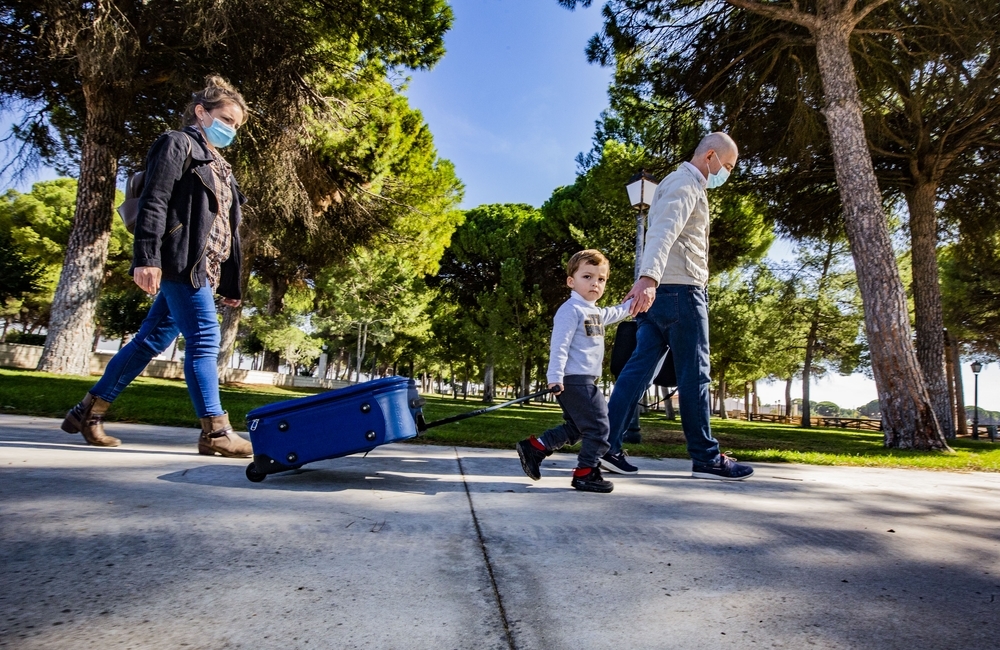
pixel 231 302
pixel 558 388
pixel 148 278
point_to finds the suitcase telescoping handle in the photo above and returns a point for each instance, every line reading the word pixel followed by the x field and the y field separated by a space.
pixel 424 426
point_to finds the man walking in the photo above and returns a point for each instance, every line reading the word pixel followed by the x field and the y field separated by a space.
pixel 672 306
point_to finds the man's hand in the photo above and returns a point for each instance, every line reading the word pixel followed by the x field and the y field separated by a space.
pixel 558 388
pixel 643 294
pixel 148 278
pixel 231 302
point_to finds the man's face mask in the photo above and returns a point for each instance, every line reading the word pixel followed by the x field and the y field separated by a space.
pixel 718 178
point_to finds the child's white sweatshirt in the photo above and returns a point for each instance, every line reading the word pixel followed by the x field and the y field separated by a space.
pixel 577 344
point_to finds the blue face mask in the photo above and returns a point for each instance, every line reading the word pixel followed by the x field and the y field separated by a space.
pixel 718 178
pixel 219 134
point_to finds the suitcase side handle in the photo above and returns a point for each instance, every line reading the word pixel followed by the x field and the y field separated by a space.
pixel 424 426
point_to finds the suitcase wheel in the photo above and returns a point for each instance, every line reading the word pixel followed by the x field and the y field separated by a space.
pixel 254 475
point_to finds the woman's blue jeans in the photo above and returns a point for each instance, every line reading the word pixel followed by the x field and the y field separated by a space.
pixel 178 307
pixel 678 319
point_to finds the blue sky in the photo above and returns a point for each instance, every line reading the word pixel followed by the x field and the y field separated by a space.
pixel 514 100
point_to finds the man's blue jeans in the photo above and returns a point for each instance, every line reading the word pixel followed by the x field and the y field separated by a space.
pixel 178 307
pixel 678 319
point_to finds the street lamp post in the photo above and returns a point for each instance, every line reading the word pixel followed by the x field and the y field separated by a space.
pixel 640 194
pixel 976 368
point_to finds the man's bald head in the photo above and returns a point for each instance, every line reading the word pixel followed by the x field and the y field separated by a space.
pixel 715 151
pixel 721 143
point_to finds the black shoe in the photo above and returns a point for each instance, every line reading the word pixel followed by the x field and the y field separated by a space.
pixel 618 463
pixel 723 469
pixel 592 482
pixel 531 458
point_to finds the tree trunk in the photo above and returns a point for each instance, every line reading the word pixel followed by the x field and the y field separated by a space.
pixel 756 399
pixel 228 329
pixel 807 371
pixel 952 393
pixel 524 379
pixel 722 398
pixel 927 298
pixel 71 324
pixel 489 390
pixel 956 360
pixel 275 305
pixel 746 400
pixel 362 344
pixel 788 397
pixel 907 415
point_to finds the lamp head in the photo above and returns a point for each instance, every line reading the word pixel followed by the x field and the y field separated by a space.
pixel 640 190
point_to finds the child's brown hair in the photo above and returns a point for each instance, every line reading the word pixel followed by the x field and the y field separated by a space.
pixel 589 256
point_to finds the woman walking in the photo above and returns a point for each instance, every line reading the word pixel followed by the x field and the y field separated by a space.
pixel 186 249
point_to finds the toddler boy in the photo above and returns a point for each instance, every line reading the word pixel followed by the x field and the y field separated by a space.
pixel 576 354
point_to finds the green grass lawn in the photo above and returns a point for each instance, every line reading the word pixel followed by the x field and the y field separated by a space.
pixel 166 402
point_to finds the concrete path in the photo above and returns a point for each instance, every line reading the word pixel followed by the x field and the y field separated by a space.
pixel 152 546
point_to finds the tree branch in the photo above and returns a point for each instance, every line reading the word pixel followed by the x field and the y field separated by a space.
pixel 766 9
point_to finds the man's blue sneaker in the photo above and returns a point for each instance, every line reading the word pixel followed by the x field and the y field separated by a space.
pixel 618 463
pixel 723 469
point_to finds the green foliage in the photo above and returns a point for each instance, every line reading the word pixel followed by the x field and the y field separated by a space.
pixel 871 410
pixel 741 314
pixel 827 409
pixel 595 212
pixel 506 274
pixel 294 345
pixel 38 224
pixel 19 274
pixel 122 311
pixel 25 338
pixel 970 270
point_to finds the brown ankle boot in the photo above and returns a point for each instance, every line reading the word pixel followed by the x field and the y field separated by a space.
pixel 87 418
pixel 218 437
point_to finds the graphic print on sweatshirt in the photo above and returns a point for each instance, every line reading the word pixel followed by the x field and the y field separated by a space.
pixel 593 326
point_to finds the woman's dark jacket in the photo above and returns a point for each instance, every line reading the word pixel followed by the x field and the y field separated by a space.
pixel 176 211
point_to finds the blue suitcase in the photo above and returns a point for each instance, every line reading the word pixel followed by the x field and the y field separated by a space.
pixel 352 420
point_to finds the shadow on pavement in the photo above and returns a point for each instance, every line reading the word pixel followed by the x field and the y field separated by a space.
pixel 416 476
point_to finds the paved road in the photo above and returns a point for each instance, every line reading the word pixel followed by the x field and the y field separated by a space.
pixel 152 546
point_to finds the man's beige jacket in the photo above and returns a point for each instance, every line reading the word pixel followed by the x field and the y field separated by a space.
pixel 676 249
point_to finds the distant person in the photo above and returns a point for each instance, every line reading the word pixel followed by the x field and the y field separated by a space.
pixel 671 302
pixel 186 249
pixel 576 356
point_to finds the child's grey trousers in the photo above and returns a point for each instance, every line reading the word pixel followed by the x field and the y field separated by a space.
pixel 586 413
